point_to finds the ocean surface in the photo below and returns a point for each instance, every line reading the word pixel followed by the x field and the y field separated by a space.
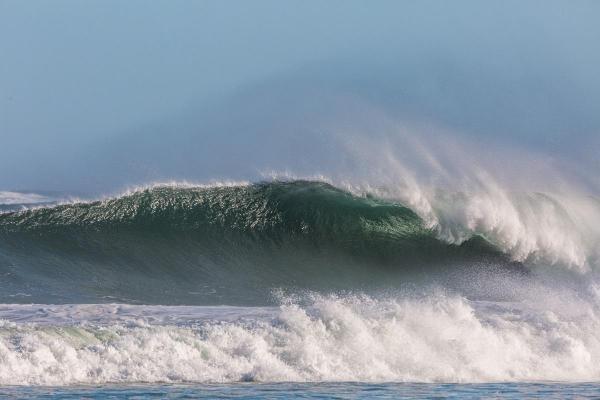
pixel 305 288
pixel 341 390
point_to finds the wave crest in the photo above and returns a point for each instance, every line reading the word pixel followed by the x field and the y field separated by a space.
pixel 232 240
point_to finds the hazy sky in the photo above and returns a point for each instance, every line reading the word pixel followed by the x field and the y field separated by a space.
pixel 97 94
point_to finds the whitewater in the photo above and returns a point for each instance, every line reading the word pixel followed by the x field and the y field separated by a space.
pixel 331 338
pixel 300 280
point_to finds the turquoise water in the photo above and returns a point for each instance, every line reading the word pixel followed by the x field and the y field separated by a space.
pixel 315 391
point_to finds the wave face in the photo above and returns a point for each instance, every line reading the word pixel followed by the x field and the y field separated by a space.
pixel 222 245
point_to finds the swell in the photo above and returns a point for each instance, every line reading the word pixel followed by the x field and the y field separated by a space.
pixel 215 245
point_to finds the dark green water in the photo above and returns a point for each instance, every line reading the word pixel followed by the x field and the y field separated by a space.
pixel 224 245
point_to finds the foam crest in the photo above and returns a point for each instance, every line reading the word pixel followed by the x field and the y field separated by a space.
pixel 540 228
pixel 524 203
pixel 438 338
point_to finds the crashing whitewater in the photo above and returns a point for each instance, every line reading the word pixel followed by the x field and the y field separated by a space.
pixel 435 338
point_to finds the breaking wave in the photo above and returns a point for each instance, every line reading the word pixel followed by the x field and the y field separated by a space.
pixel 322 282
pixel 231 244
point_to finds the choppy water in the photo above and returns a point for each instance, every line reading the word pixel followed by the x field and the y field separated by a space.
pixel 341 390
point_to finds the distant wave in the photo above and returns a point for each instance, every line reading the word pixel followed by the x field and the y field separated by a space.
pixel 8 198
pixel 15 201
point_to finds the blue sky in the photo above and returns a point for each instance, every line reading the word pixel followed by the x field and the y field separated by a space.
pixel 98 94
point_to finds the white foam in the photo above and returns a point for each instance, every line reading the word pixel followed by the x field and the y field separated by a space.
pixel 438 338
pixel 521 201
pixel 547 229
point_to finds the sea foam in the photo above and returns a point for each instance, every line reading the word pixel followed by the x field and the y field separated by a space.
pixel 433 338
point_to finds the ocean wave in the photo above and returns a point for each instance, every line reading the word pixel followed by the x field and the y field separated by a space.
pixel 216 244
pixel 227 243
